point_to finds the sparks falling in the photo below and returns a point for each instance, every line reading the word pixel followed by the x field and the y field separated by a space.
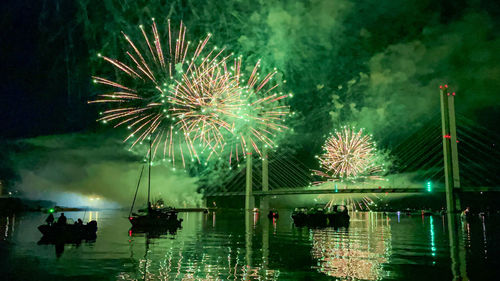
pixel 147 82
pixel 204 105
pixel 262 114
pixel 225 113
pixel 349 155
pixel 191 100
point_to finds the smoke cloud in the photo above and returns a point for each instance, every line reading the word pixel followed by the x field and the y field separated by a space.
pixel 95 166
pixel 369 63
pixel 399 91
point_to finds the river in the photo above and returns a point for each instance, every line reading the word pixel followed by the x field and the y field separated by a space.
pixel 232 245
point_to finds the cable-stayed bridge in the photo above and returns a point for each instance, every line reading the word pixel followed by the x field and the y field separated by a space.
pixel 457 158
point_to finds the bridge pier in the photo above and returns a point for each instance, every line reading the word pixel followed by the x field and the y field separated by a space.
pixel 457 248
pixel 265 243
pixel 450 150
pixel 248 242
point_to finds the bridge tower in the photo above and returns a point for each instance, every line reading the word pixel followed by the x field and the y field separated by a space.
pixel 264 200
pixel 450 150
pixel 249 199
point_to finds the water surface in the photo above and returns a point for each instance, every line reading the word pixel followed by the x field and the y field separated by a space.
pixel 232 245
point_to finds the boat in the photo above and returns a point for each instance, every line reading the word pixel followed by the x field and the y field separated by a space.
pixel 335 216
pixel 273 214
pixel 68 233
pixel 155 218
pixel 151 218
pixel 59 235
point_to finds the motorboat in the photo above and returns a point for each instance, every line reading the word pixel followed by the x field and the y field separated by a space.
pixel 335 215
pixel 67 233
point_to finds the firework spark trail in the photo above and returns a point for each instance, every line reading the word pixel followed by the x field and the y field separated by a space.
pixel 203 103
pixel 160 94
pixel 261 115
pixel 349 155
pixel 216 108
pixel 140 95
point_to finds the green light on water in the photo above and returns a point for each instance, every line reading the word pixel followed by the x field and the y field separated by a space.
pixel 51 210
pixel 429 186
pixel 433 242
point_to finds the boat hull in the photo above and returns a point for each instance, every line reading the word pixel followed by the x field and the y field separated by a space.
pixel 321 220
pixel 154 222
pixel 69 232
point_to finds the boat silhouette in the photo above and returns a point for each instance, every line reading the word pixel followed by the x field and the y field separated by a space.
pixel 150 218
pixel 68 232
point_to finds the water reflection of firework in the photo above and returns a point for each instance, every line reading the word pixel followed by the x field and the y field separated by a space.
pixel 352 255
pixel 176 266
pixel 354 203
pixel 180 259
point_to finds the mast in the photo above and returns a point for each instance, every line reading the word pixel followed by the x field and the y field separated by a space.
pixel 149 175
pixel 136 190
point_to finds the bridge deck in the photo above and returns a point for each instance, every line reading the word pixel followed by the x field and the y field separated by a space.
pixel 299 191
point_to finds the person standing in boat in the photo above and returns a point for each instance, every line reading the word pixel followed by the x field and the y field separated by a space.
pixel 62 219
pixel 50 219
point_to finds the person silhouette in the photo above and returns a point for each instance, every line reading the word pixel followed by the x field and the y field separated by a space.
pixel 50 219
pixel 62 219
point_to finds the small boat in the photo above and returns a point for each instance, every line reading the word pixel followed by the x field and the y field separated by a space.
pixel 427 213
pixel 273 214
pixel 155 218
pixel 69 233
pixel 336 216
pixel 466 214
pixel 152 218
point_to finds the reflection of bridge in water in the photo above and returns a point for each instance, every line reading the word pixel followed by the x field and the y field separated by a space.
pixel 367 250
pixel 430 155
pixel 341 253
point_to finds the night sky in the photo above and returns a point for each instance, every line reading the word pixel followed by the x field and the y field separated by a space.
pixel 370 64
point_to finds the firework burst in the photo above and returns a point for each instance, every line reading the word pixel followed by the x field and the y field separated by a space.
pixel 140 96
pixel 261 114
pixel 204 105
pixel 349 155
pixel 219 109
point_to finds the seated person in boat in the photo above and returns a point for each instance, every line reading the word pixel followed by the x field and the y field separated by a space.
pixel 62 219
pixel 50 219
